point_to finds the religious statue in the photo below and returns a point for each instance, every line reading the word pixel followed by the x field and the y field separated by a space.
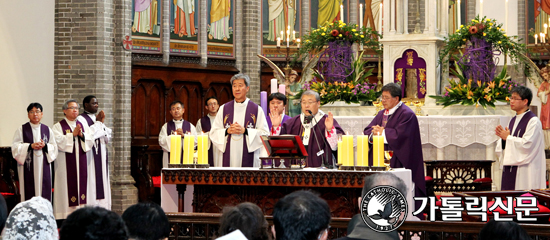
pixel 543 92
pixel 292 88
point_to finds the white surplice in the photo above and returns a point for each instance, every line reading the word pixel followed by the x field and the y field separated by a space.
pixel 103 133
pixel 217 155
pixel 253 139
pixel 527 153
pixel 65 142
pixel 164 140
pixel 19 150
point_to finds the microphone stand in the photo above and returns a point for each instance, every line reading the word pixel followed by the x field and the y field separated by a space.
pixel 324 162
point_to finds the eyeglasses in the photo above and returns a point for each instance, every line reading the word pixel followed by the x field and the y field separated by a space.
pixel 516 99
pixel 73 108
pixel 308 103
pixel 385 98
pixel 175 109
pixel 35 112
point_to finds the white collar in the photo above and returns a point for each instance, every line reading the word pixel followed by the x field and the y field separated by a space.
pixel 392 110
pixel 34 125
pixel 69 121
pixel 245 101
pixel 177 121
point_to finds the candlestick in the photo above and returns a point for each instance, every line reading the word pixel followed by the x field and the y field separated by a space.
pixel 506 16
pixel 282 88
pixel 378 151
pixel 188 148
pixel 263 102
pixel 202 149
pixel 536 35
pixel 288 42
pixel 459 17
pixel 342 12
pixel 480 9
pixel 278 42
pixel 347 143
pixel 175 149
pixel 273 85
pixel 362 151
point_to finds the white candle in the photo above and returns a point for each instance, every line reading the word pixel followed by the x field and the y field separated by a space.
pixel 458 15
pixel 360 16
pixel 506 16
pixel 283 35
pixel 274 85
pixel 542 38
pixel 298 42
pixel 288 41
pixel 480 9
pixel 380 19
pixel 342 12
pixel 545 29
pixel 278 42
pixel 536 36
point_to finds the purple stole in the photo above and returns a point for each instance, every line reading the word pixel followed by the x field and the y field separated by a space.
pixel 70 158
pixel 97 162
pixel 28 167
pixel 206 126
pixel 249 122
pixel 171 127
pixel 509 173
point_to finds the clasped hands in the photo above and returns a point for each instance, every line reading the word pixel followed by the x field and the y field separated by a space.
pixel 38 145
pixel 377 130
pixel 502 132
pixel 236 128
pixel 77 131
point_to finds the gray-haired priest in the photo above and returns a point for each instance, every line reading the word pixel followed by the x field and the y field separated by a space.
pixel 238 128
pixel 71 181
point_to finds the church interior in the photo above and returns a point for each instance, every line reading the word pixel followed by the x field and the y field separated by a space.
pixel 139 56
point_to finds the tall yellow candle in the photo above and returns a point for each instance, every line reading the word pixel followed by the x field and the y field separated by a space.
pixel 340 152
pixel 347 142
pixel 378 151
pixel 362 151
pixel 202 149
pixel 175 149
pixel 188 145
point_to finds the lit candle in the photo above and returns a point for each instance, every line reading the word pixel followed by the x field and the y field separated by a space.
pixel 480 9
pixel 263 102
pixel 188 148
pixel 273 85
pixel 545 29
pixel 342 12
pixel 506 16
pixel 282 88
pixel 278 42
pixel 360 16
pixel 202 149
pixel 542 38
pixel 298 42
pixel 378 151
pixel 283 35
pixel 340 152
pixel 363 151
pixel 175 149
pixel 458 15
pixel 536 35
pixel 347 143
pixel 380 19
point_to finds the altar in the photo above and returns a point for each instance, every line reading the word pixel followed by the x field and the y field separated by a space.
pixel 210 189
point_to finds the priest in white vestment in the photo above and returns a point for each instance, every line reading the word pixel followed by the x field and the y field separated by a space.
pixel 238 128
pixel 521 148
pixel 99 154
pixel 34 149
pixel 73 185
pixel 177 126
pixel 204 125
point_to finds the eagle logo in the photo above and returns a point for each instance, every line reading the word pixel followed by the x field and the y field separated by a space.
pixel 384 208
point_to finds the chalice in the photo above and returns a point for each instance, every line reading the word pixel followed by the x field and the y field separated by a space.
pixel 387 157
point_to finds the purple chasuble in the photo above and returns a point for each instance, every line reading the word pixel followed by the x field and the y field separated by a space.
pixel 403 137
pixel 72 178
pixel 28 167
pixel 249 122
pixel 509 173
pixel 206 126
pixel 171 127
pixel 100 192
pixel 294 126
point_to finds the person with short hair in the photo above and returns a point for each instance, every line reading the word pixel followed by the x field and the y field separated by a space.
pixel 521 150
pixel 72 181
pixel 494 230
pixel 246 217
pixel 91 223
pixel 99 169
pixel 277 103
pixel 301 215
pixel 177 126
pixel 146 221
pixel 205 124
pixel 398 125
pixel 34 148
pixel 31 219
pixel 237 132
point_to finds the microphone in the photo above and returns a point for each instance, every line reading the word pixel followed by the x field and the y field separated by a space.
pixel 321 151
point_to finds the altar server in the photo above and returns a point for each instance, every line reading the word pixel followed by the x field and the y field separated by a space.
pixel 34 149
pixel 72 181
pixel 277 103
pixel 177 126
pixel 205 124
pixel 99 155
pixel 521 150
pixel 323 140
pixel 238 128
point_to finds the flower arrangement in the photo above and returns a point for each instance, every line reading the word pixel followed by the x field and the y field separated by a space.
pixel 475 68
